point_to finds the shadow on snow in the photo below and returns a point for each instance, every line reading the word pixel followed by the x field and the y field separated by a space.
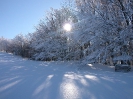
pixel 27 79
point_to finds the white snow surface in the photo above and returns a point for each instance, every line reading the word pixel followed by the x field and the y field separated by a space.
pixel 26 79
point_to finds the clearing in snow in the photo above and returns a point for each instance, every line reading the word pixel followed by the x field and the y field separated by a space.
pixel 26 79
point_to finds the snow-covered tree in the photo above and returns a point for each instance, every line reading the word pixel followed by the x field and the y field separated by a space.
pixel 102 26
pixel 20 45
pixel 102 31
pixel 49 39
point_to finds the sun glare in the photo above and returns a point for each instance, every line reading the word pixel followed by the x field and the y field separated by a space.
pixel 67 27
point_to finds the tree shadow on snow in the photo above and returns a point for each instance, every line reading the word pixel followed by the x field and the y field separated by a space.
pixel 27 79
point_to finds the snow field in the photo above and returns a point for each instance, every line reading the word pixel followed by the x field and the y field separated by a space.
pixel 26 79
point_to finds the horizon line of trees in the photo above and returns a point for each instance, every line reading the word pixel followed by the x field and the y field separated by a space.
pixel 102 32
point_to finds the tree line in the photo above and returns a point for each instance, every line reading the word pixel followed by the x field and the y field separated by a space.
pixel 102 32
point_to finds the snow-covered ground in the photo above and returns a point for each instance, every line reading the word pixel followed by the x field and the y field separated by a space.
pixel 27 79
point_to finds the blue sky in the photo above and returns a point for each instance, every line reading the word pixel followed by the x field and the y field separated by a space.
pixel 20 16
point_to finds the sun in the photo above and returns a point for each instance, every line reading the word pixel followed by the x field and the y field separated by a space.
pixel 67 27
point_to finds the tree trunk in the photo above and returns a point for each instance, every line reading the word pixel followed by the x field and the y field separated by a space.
pixel 124 11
